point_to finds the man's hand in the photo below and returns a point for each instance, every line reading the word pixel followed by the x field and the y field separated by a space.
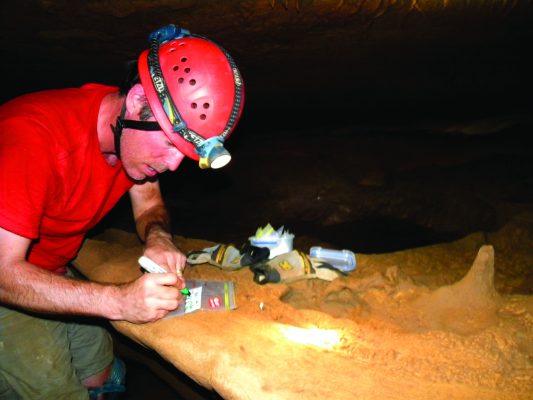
pixel 150 297
pixel 160 248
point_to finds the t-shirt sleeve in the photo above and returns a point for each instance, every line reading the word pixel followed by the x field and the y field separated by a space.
pixel 25 175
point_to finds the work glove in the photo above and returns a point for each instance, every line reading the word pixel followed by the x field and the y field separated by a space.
pixel 293 266
pixel 228 257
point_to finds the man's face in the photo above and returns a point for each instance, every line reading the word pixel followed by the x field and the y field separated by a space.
pixel 145 154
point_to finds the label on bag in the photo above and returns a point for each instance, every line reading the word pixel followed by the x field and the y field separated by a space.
pixel 193 302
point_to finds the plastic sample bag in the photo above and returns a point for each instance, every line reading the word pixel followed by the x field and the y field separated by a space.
pixel 207 296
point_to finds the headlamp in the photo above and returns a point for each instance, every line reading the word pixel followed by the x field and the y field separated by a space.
pixel 212 153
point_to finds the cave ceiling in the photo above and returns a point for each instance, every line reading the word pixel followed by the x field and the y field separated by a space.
pixel 338 58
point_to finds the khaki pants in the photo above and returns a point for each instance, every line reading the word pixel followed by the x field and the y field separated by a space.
pixel 47 358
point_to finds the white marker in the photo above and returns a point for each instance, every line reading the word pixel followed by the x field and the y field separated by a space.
pixel 151 266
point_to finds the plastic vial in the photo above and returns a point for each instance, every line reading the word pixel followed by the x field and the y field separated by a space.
pixel 344 260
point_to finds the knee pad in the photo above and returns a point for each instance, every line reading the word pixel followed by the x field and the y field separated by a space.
pixel 116 383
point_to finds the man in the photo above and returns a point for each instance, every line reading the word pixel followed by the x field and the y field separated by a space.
pixel 66 158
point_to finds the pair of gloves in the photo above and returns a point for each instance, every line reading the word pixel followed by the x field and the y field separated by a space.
pixel 288 267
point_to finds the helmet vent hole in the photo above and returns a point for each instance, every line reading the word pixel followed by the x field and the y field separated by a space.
pixel 184 59
pixel 192 82
pixel 181 44
pixel 206 105
pixel 194 105
pixel 175 68
pixel 203 116
pixel 171 50
pixel 180 80
pixel 187 70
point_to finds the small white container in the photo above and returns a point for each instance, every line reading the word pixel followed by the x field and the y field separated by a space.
pixel 344 260
pixel 277 241
pixel 276 247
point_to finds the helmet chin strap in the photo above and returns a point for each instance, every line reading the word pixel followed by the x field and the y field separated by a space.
pixel 131 124
pixel 117 129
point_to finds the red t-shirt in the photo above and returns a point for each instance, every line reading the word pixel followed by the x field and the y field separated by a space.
pixel 55 184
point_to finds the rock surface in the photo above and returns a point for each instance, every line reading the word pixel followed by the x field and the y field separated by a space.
pixel 388 330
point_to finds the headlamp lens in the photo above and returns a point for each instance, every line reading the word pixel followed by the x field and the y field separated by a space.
pixel 213 154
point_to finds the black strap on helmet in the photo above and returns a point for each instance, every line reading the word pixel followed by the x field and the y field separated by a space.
pixel 237 80
pixel 122 123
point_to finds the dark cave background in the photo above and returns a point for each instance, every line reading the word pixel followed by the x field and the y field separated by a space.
pixel 368 125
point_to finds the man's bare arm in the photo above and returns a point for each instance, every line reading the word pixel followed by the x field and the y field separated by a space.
pixel 29 287
pixel 153 226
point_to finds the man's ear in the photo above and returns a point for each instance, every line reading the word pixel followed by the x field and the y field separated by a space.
pixel 135 99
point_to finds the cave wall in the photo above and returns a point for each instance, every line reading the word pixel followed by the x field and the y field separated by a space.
pixel 307 61
pixel 327 84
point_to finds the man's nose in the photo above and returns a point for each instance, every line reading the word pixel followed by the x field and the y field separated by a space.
pixel 174 159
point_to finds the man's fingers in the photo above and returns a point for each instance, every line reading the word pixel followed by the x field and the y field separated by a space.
pixel 168 293
pixel 167 279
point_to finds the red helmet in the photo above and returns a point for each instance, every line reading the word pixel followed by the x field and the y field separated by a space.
pixel 194 90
